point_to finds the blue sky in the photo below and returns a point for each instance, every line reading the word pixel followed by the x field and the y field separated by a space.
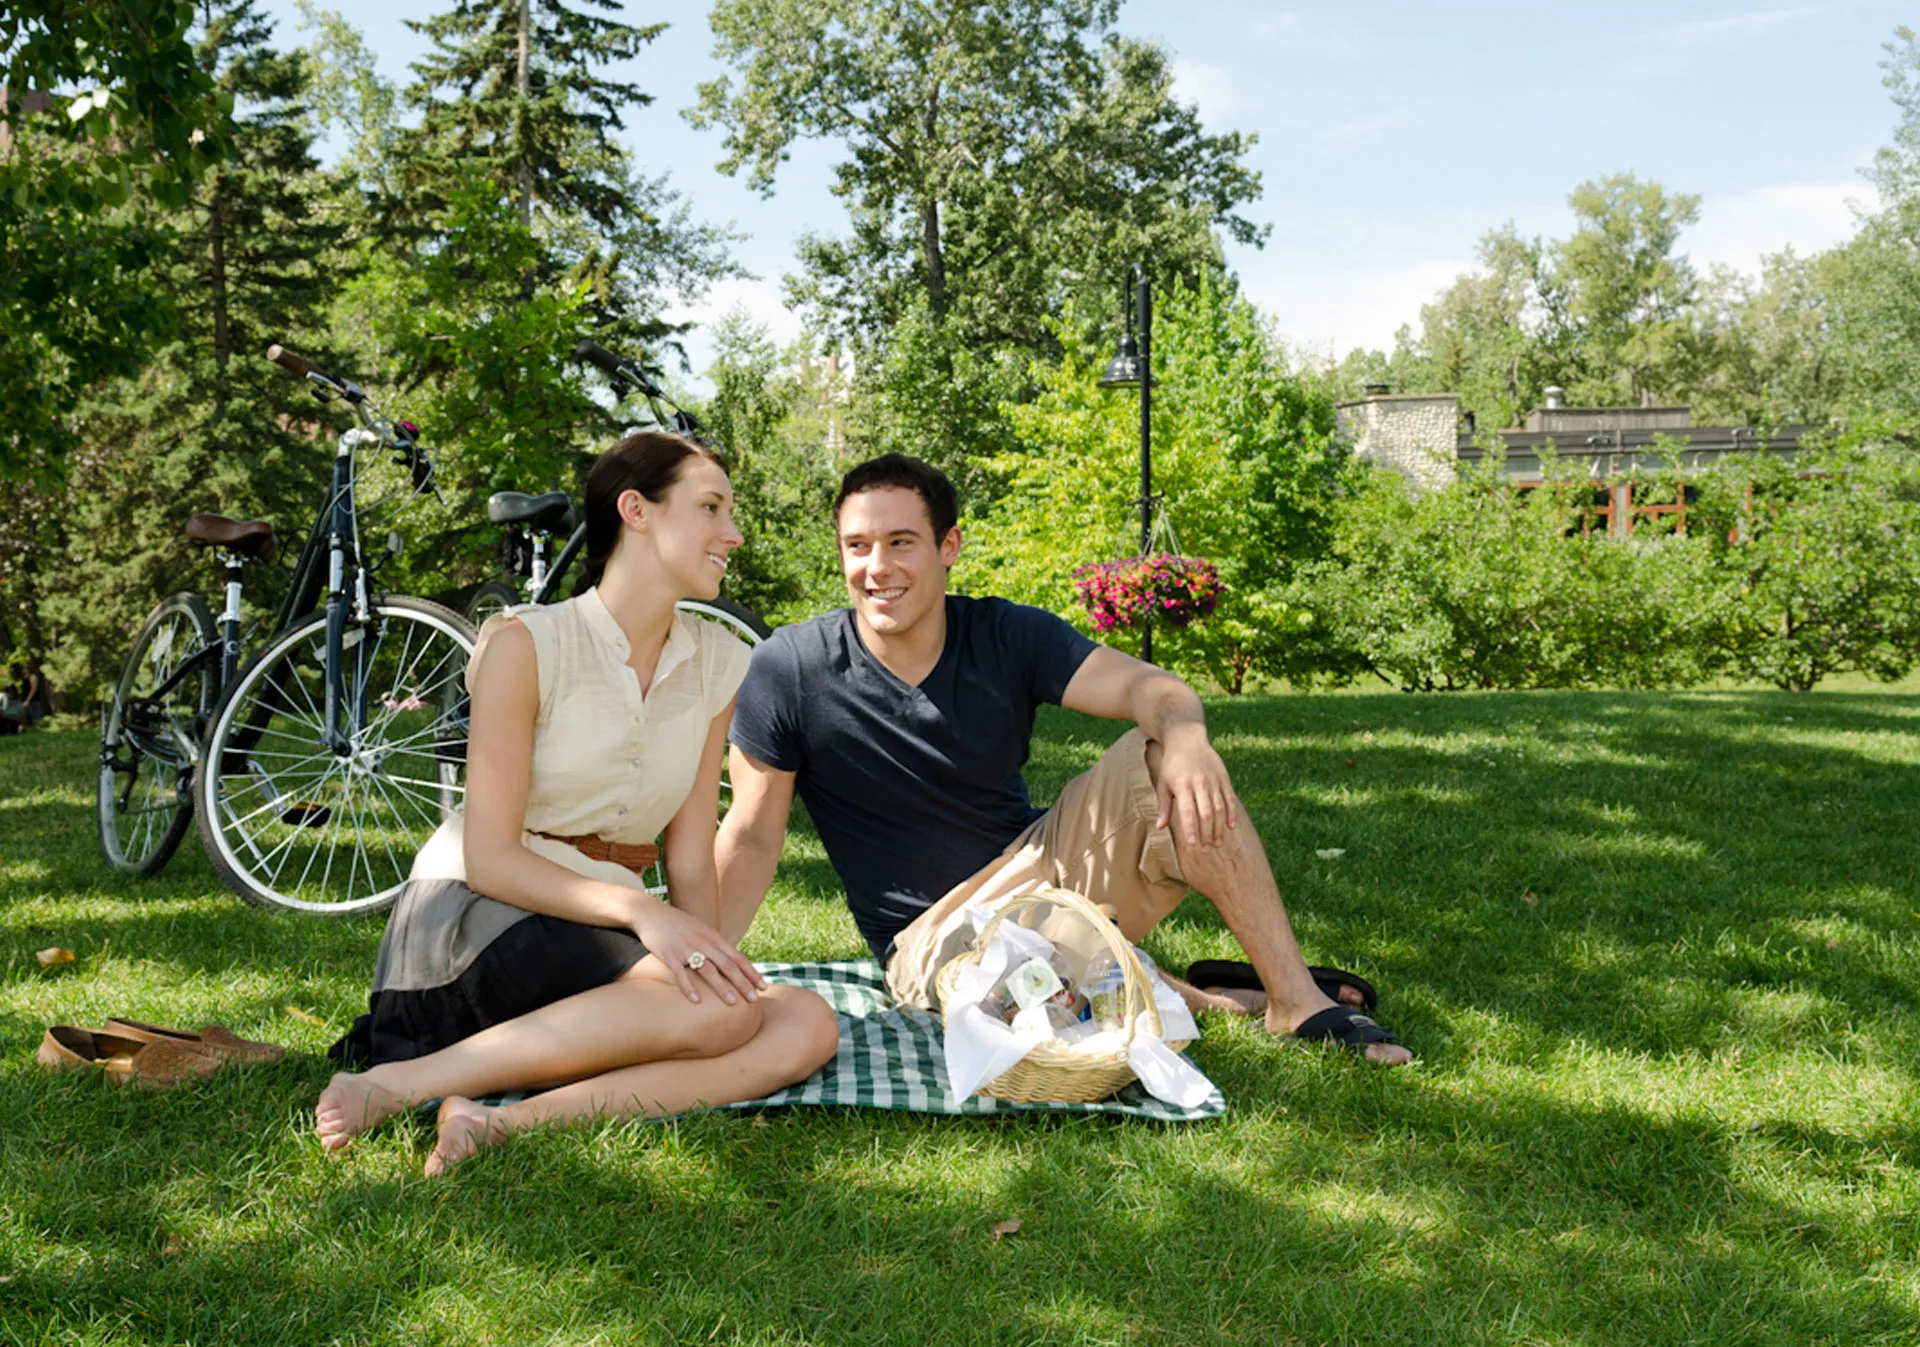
pixel 1391 136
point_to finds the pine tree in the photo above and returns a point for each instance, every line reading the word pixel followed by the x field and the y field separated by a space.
pixel 513 89
pixel 209 425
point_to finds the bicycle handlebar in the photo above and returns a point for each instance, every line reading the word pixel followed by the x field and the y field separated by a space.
pixel 292 361
pixel 625 373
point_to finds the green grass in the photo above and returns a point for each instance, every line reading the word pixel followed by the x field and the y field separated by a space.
pixel 1657 954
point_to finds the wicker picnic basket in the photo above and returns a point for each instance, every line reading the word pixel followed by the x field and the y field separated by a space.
pixel 1054 1071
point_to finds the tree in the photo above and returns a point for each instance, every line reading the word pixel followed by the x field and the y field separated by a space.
pixel 99 100
pixel 998 158
pixel 208 424
pixel 512 93
pixel 775 416
pixel 1824 555
pixel 1244 451
pixel 1628 294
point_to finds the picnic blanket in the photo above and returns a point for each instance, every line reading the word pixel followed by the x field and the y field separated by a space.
pixel 891 1057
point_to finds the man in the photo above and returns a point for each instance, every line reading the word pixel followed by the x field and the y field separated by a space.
pixel 903 722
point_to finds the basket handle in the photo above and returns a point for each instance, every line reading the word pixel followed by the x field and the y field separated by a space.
pixel 1134 977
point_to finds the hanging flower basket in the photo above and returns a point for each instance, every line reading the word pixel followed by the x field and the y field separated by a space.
pixel 1161 589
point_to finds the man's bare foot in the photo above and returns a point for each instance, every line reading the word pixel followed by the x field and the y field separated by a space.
pixel 466 1129
pixel 349 1106
pixel 1381 1054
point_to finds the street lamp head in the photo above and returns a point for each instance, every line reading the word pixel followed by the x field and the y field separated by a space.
pixel 1123 371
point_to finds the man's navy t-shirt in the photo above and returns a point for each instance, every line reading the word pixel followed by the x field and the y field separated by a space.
pixel 912 789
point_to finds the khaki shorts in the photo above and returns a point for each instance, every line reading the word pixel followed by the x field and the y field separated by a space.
pixel 1098 840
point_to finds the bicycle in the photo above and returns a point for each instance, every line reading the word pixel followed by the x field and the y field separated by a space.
pixel 317 768
pixel 534 522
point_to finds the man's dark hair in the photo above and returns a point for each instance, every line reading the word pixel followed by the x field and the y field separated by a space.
pixel 913 474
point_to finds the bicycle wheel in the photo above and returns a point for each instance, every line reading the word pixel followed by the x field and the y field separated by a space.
pixel 746 624
pixel 150 735
pixel 289 823
pixel 742 622
pixel 496 596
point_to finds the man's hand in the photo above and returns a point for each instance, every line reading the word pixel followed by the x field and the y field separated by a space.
pixel 1195 793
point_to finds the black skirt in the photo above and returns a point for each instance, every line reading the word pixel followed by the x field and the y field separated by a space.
pixel 533 963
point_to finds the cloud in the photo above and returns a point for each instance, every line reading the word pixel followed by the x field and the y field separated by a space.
pixel 1328 313
pixel 1738 231
pixel 759 299
pixel 1208 87
pixel 1367 128
pixel 1700 30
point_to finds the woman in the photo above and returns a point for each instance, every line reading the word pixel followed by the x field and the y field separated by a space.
pixel 596 722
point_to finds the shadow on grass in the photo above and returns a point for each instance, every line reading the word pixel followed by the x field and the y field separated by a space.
pixel 1637 871
pixel 1479 1222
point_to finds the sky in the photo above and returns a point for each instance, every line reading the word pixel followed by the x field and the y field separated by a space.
pixel 1391 136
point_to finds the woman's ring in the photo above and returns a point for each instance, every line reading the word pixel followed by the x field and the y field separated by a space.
pixel 696 961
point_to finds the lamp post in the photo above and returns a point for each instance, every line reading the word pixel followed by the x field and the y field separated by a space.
pixel 1132 367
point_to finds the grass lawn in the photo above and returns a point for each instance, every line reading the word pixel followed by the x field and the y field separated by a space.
pixel 1658 955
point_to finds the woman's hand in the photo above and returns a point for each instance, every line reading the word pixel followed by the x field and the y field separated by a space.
pixel 696 953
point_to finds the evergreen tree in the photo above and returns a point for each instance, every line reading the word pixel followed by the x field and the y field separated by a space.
pixel 209 425
pixel 513 90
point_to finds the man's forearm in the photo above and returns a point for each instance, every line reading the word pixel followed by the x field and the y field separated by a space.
pixel 746 865
pixel 1166 709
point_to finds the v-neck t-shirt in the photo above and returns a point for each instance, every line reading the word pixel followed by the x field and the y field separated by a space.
pixel 911 788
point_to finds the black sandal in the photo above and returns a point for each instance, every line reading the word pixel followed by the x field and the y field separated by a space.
pixel 1343 1025
pixel 1239 976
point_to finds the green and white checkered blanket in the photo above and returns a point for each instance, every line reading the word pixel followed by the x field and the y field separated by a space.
pixel 891 1056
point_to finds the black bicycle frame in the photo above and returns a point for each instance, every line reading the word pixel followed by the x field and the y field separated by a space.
pixel 342 560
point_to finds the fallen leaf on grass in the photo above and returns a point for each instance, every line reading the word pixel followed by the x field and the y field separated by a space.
pixel 304 1016
pixel 54 957
pixel 1530 898
pixel 174 1247
pixel 1007 1227
pixel 1349 762
pixel 760 1121
pixel 1331 853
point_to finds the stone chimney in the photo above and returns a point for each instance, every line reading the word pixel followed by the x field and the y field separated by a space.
pixel 1415 434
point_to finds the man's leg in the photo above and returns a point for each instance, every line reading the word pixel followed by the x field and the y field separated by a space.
pixel 1237 879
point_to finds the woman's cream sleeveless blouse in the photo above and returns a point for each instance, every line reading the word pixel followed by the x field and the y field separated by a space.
pixel 608 761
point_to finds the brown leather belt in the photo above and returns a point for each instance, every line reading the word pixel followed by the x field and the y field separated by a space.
pixel 635 856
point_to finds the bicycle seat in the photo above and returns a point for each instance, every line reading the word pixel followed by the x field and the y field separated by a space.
pixel 249 537
pixel 550 513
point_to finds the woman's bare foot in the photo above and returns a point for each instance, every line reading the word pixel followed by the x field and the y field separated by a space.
pixel 349 1106
pixel 466 1129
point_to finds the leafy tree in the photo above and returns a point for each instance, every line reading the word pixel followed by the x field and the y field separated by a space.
pixel 99 100
pixel 776 418
pixel 1481 585
pixel 1624 296
pixel 208 424
pixel 1244 451
pixel 484 369
pixel 1824 555
pixel 998 158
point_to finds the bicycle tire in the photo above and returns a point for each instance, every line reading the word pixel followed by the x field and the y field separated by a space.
pixel 280 813
pixel 741 621
pixel 496 596
pixel 143 803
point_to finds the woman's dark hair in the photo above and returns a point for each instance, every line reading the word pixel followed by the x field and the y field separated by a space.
pixel 650 463
pixel 915 475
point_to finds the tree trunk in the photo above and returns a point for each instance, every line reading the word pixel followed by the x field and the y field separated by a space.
pixel 936 264
pixel 526 116
pixel 217 296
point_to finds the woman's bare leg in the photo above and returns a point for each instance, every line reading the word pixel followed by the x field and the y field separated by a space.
pixel 798 1035
pixel 641 1017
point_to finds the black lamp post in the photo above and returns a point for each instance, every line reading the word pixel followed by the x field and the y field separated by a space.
pixel 1132 367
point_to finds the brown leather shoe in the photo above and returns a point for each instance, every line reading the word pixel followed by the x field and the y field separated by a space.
pixel 150 1065
pixel 216 1040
